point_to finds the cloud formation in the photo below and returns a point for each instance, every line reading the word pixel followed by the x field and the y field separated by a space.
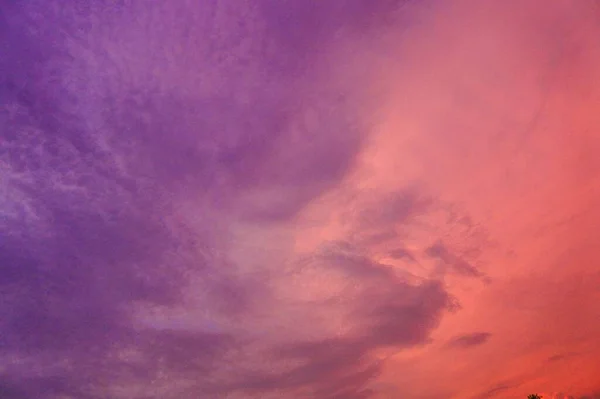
pixel 286 199
pixel 470 340
pixel 137 140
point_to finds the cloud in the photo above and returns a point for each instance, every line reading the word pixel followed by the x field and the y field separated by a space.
pixel 137 140
pixel 456 263
pixel 470 340
pixel 561 356
pixel 396 208
pixel 371 310
pixel 283 199
pixel 494 391
pixel 402 253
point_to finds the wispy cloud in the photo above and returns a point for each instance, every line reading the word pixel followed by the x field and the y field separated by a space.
pixel 469 340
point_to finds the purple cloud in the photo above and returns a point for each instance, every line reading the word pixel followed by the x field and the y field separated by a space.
pixel 135 137
pixel 454 262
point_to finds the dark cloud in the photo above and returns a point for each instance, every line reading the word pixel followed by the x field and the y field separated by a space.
pixel 396 209
pixel 469 340
pixel 402 253
pixel 456 263
pixel 329 366
pixel 382 310
pixel 561 356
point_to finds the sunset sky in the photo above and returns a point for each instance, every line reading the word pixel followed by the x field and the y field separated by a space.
pixel 298 199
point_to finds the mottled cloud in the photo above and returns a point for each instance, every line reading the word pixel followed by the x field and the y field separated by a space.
pixel 469 340
pixel 287 199
pixel 455 263
pixel 561 356
pixel 137 140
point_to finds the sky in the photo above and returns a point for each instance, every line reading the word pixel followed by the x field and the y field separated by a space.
pixel 358 199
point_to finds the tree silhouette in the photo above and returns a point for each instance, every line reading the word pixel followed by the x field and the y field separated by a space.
pixel 534 396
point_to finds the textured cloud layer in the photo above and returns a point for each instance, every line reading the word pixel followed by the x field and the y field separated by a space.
pixel 139 142
pixel 288 199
